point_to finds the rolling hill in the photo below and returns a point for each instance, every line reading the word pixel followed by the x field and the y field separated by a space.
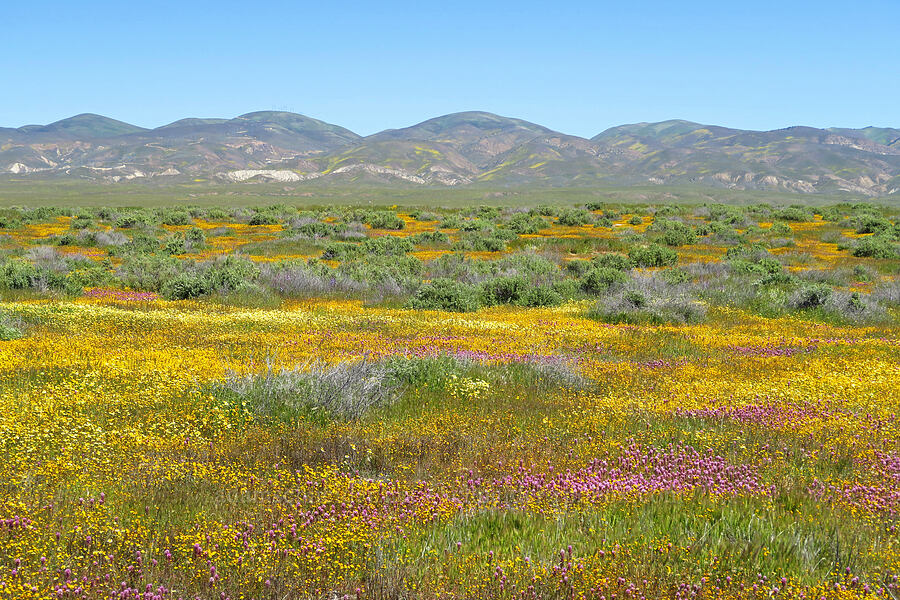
pixel 466 148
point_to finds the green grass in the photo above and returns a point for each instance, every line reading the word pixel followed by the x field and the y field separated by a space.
pixel 25 192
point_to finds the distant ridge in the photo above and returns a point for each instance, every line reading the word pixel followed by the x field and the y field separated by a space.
pixel 465 148
pixel 84 126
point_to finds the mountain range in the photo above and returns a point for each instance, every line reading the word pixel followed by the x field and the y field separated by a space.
pixel 457 149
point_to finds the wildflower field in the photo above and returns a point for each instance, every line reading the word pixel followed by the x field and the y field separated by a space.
pixel 606 402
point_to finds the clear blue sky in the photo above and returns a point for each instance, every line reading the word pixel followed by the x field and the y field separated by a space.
pixel 578 67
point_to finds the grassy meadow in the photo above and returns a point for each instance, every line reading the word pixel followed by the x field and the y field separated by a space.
pixel 608 398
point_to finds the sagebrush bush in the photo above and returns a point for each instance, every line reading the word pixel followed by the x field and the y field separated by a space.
pixel 345 390
pixel 299 279
pixel 650 299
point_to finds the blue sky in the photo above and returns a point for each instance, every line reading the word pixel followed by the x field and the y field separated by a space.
pixel 578 67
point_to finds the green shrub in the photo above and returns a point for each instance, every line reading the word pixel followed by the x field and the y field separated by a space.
pixel 872 224
pixel 430 237
pixel 599 279
pixel 383 219
pixel 185 286
pixel 652 255
pixel 832 214
pixel 195 238
pixel 217 214
pixel 445 294
pixel 544 210
pixel 8 332
pixel 636 220
pixel 675 276
pixel 263 218
pixel 794 213
pixel 759 266
pixel 9 222
pixel 811 296
pixel 148 272
pixel 17 274
pixel 451 222
pixel 669 210
pixel 780 230
pixel 574 217
pixel 66 239
pixel 875 247
pixel 578 267
pixel 675 233
pixel 526 224
pixel 541 296
pixel 91 276
pixel 478 243
pixel 503 290
pixel 384 271
pixel 387 245
pixel 477 225
pixel 81 222
pixel 230 273
pixel 678 237
pixel 176 217
pixel 341 251
pixel 612 260
pixel 490 213
pixel 127 221
pixel 142 243
pixel 174 244
pixel 315 230
pixel 862 274
pixel 566 288
pixel 10 329
pixel 703 229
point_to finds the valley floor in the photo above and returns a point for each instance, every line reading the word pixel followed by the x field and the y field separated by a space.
pixel 148 451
